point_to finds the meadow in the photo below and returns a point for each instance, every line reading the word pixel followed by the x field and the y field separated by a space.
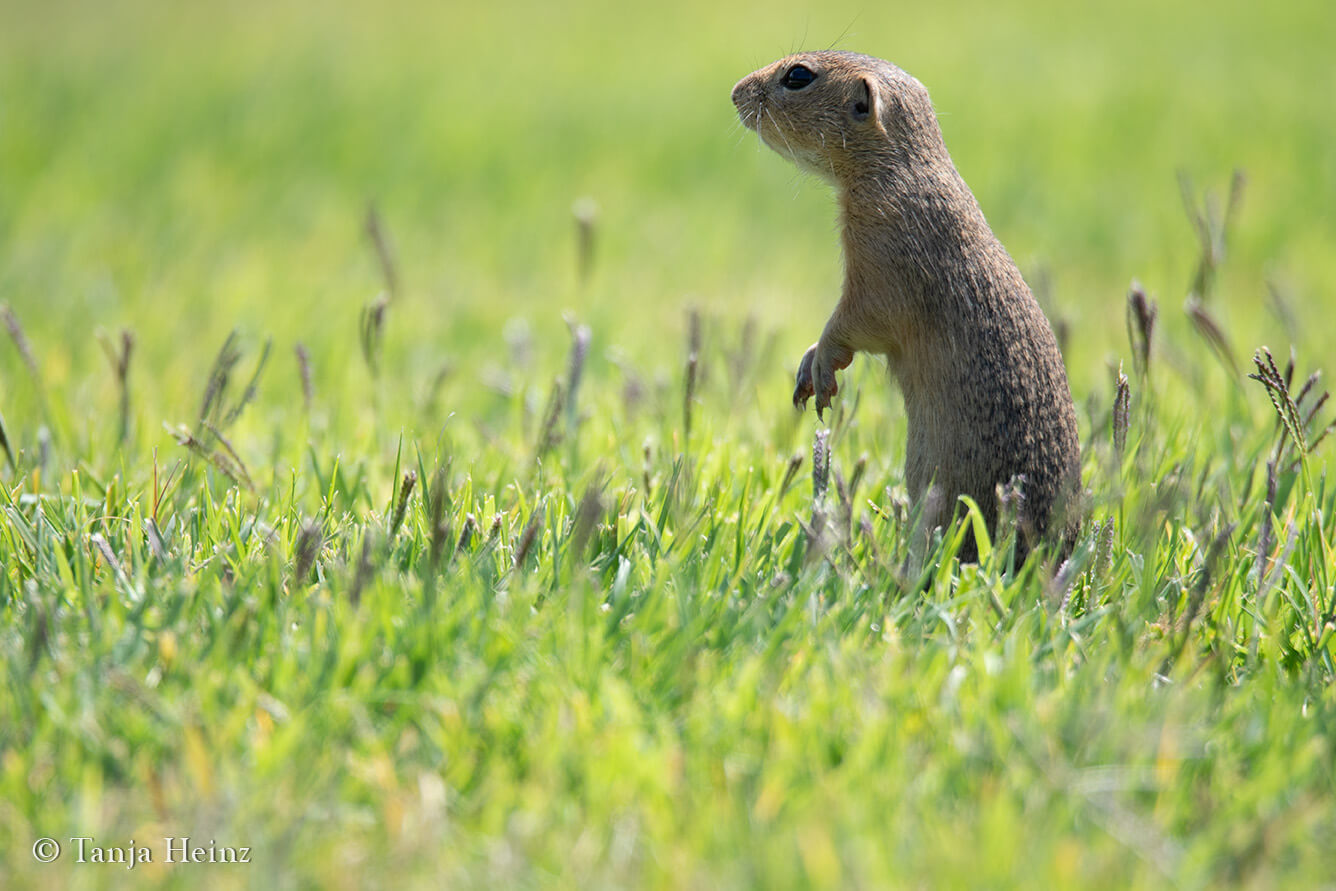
pixel 398 477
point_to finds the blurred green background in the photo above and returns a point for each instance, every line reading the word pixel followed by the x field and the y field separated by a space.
pixel 180 169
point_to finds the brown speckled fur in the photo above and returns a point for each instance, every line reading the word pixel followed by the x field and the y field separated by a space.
pixel 928 286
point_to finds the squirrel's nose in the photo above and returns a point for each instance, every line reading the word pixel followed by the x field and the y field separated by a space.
pixel 739 92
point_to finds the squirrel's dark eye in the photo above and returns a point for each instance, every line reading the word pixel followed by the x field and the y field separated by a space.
pixel 798 77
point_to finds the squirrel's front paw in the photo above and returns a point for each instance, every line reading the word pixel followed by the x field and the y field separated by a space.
pixel 803 391
pixel 816 377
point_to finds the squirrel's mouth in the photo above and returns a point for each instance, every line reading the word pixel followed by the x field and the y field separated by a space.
pixel 750 117
pixel 747 102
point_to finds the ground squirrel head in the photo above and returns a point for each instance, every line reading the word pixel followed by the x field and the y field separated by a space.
pixel 836 114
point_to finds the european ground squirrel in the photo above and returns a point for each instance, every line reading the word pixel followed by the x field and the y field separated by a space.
pixel 928 286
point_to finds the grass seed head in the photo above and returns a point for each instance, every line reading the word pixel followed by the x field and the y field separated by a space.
pixel 1210 329
pixel 529 536
pixel 401 504
pixel 466 534
pixel 1103 534
pixel 693 368
pixel 820 463
pixel 4 444
pixel 1212 229
pixel 550 435
pixel 380 242
pixel 580 336
pixel 309 541
pixel 585 212
pixel 304 369
pixel 1141 314
pixel 790 472
pixel 587 515
pixel 860 468
pixel 21 343
pixel 372 331
pixel 1299 428
pixel 1122 401
pixel 363 572
pixel 437 514
pixel 120 364
pixel 219 376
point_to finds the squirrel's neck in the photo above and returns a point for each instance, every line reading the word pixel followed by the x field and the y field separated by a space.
pixel 919 216
pixel 913 196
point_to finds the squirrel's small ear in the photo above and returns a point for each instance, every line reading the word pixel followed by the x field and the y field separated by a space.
pixel 867 103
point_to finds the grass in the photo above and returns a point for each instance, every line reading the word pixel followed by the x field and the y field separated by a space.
pixel 397 475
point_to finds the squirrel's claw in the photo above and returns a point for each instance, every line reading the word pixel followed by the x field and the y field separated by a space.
pixel 801 393
pixel 803 389
pixel 814 380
